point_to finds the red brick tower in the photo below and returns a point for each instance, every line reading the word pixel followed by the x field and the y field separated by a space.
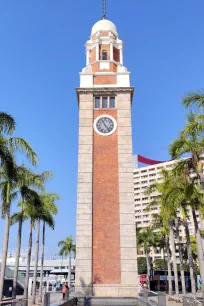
pixel 106 242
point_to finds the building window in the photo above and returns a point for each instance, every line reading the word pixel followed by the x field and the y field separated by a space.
pixel 104 55
pixel 104 102
pixel 97 102
pixel 112 102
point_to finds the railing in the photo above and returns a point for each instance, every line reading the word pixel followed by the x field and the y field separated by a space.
pixel 12 302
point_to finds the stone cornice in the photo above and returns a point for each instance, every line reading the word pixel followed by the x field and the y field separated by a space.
pixel 104 91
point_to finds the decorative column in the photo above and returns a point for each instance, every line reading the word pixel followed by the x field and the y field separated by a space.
pixel 87 56
pixel 121 56
pixel 111 51
pixel 97 51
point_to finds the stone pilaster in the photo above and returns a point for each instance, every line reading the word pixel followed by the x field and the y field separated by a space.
pixel 83 282
pixel 126 195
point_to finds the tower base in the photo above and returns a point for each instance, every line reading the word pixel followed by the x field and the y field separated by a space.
pixel 107 291
pixel 115 291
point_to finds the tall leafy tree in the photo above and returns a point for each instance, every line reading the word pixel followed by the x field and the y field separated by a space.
pixel 28 183
pixel 188 193
pixel 30 213
pixel 167 213
pixel 147 239
pixel 44 214
pixel 8 179
pixel 163 243
pixel 191 141
pixel 67 248
pixel 50 208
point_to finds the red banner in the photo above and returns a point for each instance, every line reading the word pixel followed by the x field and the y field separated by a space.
pixel 148 161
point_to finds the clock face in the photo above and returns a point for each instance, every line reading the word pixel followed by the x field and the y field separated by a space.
pixel 105 125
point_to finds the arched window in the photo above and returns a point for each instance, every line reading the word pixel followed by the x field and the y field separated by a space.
pixel 104 55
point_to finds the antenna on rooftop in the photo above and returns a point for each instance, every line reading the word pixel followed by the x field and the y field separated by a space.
pixel 103 9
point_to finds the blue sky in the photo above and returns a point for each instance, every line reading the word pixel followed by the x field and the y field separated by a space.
pixel 41 53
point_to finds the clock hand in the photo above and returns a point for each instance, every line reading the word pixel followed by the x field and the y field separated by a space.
pixel 104 123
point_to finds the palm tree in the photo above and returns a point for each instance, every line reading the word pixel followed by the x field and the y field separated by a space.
pixel 48 200
pixel 25 182
pixel 190 259
pixel 180 249
pixel 188 193
pixel 191 141
pixel 44 214
pixel 30 212
pixel 8 179
pixel 67 248
pixel 163 243
pixel 167 213
pixel 147 239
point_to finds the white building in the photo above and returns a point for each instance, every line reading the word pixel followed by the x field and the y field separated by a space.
pixel 54 270
pixel 143 178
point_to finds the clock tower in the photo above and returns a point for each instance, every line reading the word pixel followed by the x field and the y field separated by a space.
pixel 106 263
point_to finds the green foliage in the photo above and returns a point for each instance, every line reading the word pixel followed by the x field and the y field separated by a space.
pixel 67 247
pixel 142 265
pixel 159 264
pixel 146 239
pixel 7 123
pixel 194 98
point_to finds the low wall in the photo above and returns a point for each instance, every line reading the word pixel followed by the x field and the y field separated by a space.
pixel 71 302
pixel 106 301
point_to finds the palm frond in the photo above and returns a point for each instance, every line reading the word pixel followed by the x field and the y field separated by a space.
pixel 15 218
pixel 194 98
pixel 7 162
pixel 48 219
pixel 7 123
pixel 20 145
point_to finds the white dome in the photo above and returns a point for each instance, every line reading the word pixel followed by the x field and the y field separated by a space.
pixel 104 25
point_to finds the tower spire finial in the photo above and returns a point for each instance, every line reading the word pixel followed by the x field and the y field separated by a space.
pixel 103 9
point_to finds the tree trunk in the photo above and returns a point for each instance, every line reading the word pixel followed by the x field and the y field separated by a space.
pixel 42 263
pixel 180 258
pixel 199 249
pixel 70 270
pixel 36 261
pixel 5 250
pixel 148 269
pixel 165 268
pixel 173 250
pixel 190 259
pixel 170 291
pixel 202 229
pixel 28 260
pixel 18 249
pixel 5 242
